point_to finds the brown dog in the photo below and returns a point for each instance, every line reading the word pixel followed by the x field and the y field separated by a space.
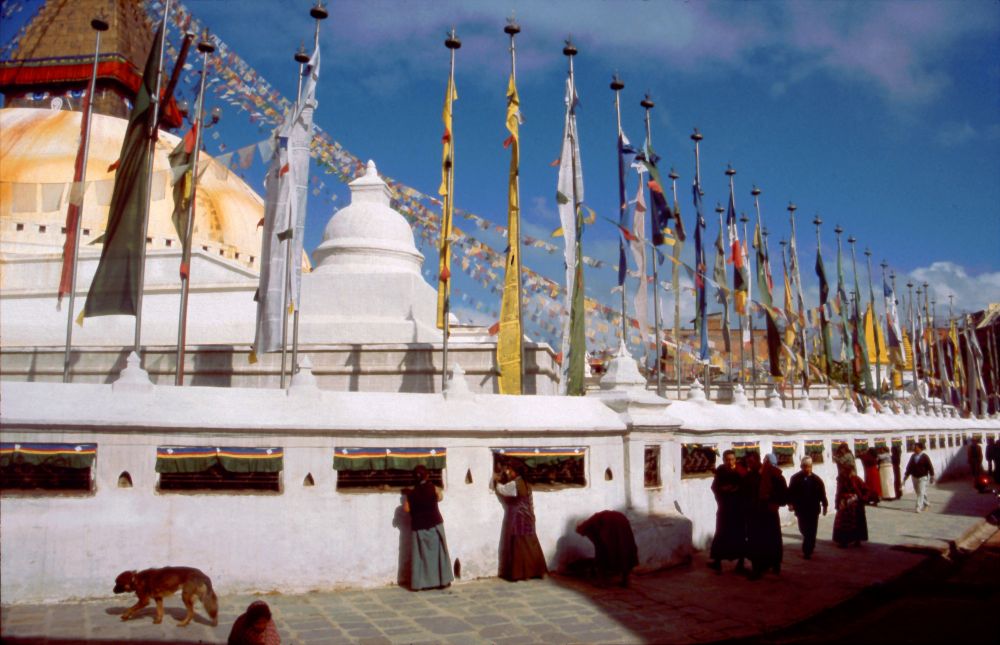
pixel 160 583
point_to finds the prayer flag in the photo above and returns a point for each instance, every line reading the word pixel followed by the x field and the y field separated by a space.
pixel 447 204
pixel 73 212
pixel 115 287
pixel 287 183
pixel 509 340
pixel 570 196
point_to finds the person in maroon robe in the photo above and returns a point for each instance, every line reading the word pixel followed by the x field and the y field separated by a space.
pixel 730 540
pixel 615 550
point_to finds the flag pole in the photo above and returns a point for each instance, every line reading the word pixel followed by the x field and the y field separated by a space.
pixel 913 338
pixel 697 138
pixel 677 297
pixel 647 104
pixel 301 57
pixel 206 48
pixel 755 192
pixel 875 325
pixel 797 278
pixel 790 377
pixel 617 86
pixel 725 300
pixel 452 43
pixel 929 325
pixel 151 144
pixel 318 13
pixel 512 28
pixel 856 298
pixel 746 264
pixel 845 334
pixel 818 222
pixel 731 172
pixel 79 183
pixel 888 367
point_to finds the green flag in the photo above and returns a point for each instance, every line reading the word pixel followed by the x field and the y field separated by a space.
pixel 115 288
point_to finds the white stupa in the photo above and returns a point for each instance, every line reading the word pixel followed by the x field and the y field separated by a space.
pixel 366 285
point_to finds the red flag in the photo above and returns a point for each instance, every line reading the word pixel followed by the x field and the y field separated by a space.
pixel 73 212
pixel 494 328
pixel 115 165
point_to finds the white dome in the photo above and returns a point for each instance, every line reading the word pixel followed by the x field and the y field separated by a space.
pixel 368 233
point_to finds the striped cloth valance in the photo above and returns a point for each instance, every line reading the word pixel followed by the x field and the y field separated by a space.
pixel 389 458
pixel 881 442
pixel 783 447
pixel 860 445
pixel 196 459
pixel 897 441
pixel 813 446
pixel 64 455
pixel 534 457
pixel 741 448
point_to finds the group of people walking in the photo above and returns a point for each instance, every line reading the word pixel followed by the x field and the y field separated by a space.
pixel 748 526
pixel 750 494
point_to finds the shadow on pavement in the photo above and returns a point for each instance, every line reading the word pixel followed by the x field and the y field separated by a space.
pixel 941 600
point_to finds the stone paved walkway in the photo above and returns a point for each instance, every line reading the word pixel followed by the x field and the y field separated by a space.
pixel 683 605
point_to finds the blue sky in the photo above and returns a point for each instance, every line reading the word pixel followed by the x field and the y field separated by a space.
pixel 883 117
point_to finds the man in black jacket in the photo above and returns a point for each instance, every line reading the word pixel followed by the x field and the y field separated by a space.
pixel 806 495
pixel 922 471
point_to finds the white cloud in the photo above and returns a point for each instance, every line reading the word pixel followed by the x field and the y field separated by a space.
pixel 897 47
pixel 971 293
pixel 953 134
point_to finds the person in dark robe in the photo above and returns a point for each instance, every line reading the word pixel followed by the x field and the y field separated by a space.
pixel 806 496
pixel 521 555
pixel 730 541
pixel 869 459
pixel 975 461
pixel 430 566
pixel 615 551
pixel 255 626
pixel 767 492
pixel 897 473
pixel 850 525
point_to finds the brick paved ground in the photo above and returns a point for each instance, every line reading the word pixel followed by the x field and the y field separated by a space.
pixel 683 605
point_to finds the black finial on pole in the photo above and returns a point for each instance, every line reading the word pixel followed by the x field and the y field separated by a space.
pixel 569 49
pixel 616 83
pixel 718 208
pixel 817 221
pixel 792 207
pixel 205 45
pixel 452 41
pixel 673 174
pixel 301 56
pixel 730 171
pixel 868 252
pixel 755 191
pixel 98 23
pixel 318 11
pixel 838 230
pixel 743 217
pixel 512 28
pixel 696 136
pixel 647 102
pixel 851 240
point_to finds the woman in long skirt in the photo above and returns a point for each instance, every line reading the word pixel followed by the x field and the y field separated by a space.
pixel 885 473
pixel 431 564
pixel 869 459
pixel 521 555
pixel 850 524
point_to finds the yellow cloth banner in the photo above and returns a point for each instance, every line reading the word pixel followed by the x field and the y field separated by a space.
pixel 447 204
pixel 510 333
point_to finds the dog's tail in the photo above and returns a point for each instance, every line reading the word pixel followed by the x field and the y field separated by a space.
pixel 211 602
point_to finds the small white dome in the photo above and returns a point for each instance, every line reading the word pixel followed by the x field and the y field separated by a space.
pixel 368 232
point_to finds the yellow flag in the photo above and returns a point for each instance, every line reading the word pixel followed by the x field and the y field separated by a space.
pixel 447 203
pixel 510 333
